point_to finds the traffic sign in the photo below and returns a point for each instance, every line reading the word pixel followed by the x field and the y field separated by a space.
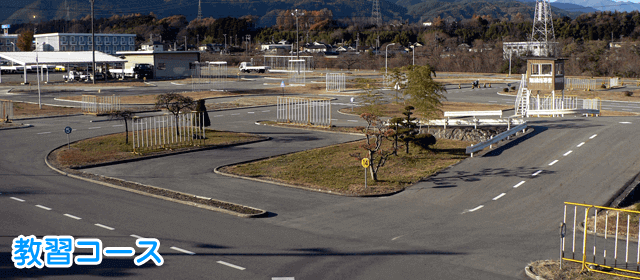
pixel 365 162
pixel 282 84
pixel 67 130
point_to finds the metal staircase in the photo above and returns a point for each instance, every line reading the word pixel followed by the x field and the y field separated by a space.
pixel 522 99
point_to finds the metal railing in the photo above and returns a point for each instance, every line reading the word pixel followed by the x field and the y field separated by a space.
pixel 495 139
pixel 280 63
pixel 454 114
pixel 167 131
pixel 297 73
pixel 472 122
pixel 209 76
pixel 604 242
pixel 93 104
pixel 614 82
pixel 304 111
pixel 335 82
pixel 6 110
pixel 585 84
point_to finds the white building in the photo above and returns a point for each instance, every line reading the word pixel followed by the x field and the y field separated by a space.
pixel 527 49
pixel 106 43
pixel 8 43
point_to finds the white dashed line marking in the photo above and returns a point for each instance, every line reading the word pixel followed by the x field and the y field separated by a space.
pixel 218 116
pixel 593 136
pixel 580 145
pixel 231 265
pixel 521 182
pixel 553 162
pixel 106 227
pixel 334 119
pixel 183 251
pixel 43 207
pixel 118 125
pixel 44 132
pixel 477 208
pixel 536 173
pixel 266 111
pixel 136 236
pixel 396 237
pixel 17 199
pixel 499 196
pixel 352 120
pixel 567 153
pixel 625 122
pixel 95 127
pixel 73 217
pixel 250 112
pixel 235 114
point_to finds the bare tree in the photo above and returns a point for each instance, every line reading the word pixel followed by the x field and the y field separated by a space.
pixel 124 115
pixel 376 131
pixel 175 103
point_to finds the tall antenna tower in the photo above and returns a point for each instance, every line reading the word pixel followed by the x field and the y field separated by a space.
pixel 199 9
pixel 376 17
pixel 543 34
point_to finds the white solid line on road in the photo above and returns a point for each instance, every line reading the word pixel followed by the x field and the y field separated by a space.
pixel 72 216
pixel 103 226
pixel 580 145
pixel 593 136
pixel 15 198
pixel 250 112
pixel 536 173
pixel 334 119
pixel 396 237
pixel 183 251
pixel 43 207
pixel 136 236
pixel 44 132
pixel 477 208
pixel 553 162
pixel 567 153
pixel 218 116
pixel 499 196
pixel 625 122
pixel 95 127
pixel 231 265
pixel 235 114
pixel 118 125
pixel 519 184
pixel 352 120
pixel 266 111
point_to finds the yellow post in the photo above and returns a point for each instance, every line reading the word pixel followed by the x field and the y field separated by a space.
pixel 460 86
pixel 584 242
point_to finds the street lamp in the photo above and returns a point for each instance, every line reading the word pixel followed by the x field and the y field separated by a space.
pixel 37 74
pixel 296 14
pixel 93 49
pixel 386 51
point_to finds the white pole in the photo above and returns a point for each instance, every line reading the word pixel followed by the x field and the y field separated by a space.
pixel 573 249
pixel 615 252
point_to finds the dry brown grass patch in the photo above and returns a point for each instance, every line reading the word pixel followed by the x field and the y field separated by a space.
pixel 28 110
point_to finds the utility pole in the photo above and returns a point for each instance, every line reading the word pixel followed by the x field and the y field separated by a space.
pixel 225 42
pixel 297 14
pixel 199 9
pixel 93 46
pixel 185 43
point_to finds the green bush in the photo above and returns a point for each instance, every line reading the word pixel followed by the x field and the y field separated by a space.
pixel 424 141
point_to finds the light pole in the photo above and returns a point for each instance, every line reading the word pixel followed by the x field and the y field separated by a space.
pixel 386 51
pixel 225 43
pixel 93 48
pixel 297 14
pixel 37 75
pixel 413 48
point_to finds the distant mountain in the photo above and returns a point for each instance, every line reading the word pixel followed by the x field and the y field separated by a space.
pixel 573 8
pixel 604 5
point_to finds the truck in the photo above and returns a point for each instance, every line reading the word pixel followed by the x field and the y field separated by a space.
pixel 247 67
pixel 138 71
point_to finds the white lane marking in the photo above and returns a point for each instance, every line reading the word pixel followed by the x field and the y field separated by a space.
pixel 183 251
pixel 266 111
pixel 536 173
pixel 15 198
pixel 477 208
pixel 218 116
pixel 136 236
pixel 625 122
pixel 567 153
pixel 580 145
pixel 250 112
pixel 499 196
pixel 235 114
pixel 103 226
pixel 396 237
pixel 44 132
pixel 352 120
pixel 593 136
pixel 493 101
pixel 231 265
pixel 334 119
pixel 553 162
pixel 95 127
pixel 43 207
pixel 118 125
pixel 72 216
pixel 521 182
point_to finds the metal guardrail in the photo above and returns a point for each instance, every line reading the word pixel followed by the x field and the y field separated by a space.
pixel 489 143
pixel 607 229
pixel 6 110
pixel 472 122
pixel 472 113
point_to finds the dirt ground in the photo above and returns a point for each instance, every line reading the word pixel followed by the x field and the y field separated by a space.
pixel 28 110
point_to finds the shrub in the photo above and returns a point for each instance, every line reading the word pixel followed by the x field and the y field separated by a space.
pixel 505 89
pixel 424 141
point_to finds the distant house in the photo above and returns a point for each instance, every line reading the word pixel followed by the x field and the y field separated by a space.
pixel 211 47
pixel 272 47
pixel 106 43
pixel 317 48
pixel 155 46
pixel 8 42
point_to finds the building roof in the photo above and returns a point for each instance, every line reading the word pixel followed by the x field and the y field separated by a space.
pixel 81 34
pixel 154 52
pixel 29 58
